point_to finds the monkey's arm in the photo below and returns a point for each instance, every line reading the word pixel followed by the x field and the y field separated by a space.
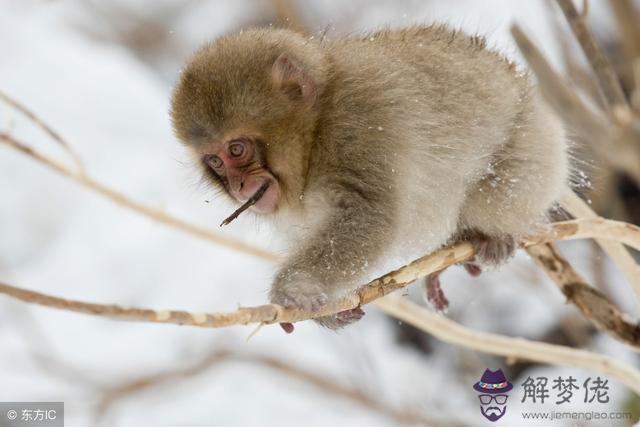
pixel 354 233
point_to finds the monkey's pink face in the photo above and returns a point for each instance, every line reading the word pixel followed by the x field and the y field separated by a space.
pixel 239 165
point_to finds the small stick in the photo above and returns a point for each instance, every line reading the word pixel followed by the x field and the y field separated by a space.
pixel 252 201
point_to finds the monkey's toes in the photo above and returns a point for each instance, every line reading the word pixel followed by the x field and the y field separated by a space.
pixel 472 268
pixel 287 327
pixel 434 294
pixel 493 250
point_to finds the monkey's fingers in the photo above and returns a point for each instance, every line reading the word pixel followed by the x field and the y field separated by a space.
pixel 287 327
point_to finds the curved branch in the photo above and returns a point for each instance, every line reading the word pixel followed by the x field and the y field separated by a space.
pixel 124 201
pixel 516 348
pixel 611 87
pixel 271 313
pixel 46 128
pixel 618 253
pixel 591 302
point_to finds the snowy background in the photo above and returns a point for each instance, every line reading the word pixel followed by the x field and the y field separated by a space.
pixel 101 73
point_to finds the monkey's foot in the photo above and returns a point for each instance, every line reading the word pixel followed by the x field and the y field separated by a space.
pixel 433 292
pixel 341 319
pixel 472 268
pixel 491 251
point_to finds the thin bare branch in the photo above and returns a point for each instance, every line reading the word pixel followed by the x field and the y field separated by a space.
pixel 271 313
pixel 627 18
pixel 593 126
pixel 217 356
pixel 592 303
pixel 618 253
pixel 512 348
pixel 124 201
pixel 46 128
pixel 606 75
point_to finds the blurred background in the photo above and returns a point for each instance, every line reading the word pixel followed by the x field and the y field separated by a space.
pixel 101 73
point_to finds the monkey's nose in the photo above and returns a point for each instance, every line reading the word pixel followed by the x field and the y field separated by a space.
pixel 237 184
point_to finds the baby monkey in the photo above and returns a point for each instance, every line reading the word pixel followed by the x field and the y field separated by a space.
pixel 363 148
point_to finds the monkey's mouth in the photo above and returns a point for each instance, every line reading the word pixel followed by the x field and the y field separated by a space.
pixel 263 200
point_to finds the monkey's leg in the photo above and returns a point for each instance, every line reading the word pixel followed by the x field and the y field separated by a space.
pixel 433 292
pixel 526 177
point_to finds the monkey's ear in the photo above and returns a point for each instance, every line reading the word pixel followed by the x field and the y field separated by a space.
pixel 289 77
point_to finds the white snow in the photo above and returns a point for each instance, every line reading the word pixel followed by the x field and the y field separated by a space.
pixel 66 61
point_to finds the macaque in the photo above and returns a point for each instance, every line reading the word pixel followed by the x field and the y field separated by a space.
pixel 397 142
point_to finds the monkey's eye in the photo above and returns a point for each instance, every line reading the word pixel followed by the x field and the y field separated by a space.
pixel 236 149
pixel 214 161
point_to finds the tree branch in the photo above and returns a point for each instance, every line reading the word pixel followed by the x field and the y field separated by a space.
pixel 124 201
pixel 271 313
pixel 618 253
pixel 321 382
pixel 513 348
pixel 606 75
pixel 613 142
pixel 592 303
pixel 46 128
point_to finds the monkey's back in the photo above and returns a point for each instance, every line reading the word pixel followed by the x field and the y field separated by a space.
pixel 444 84
pixel 450 109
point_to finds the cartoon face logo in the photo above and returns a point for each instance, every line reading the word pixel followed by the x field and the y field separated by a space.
pixel 492 389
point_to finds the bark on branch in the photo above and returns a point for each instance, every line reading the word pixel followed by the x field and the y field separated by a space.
pixel 603 314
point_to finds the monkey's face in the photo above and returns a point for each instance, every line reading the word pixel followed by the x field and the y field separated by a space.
pixel 247 106
pixel 238 164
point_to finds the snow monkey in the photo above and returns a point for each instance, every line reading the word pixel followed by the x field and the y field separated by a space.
pixel 400 140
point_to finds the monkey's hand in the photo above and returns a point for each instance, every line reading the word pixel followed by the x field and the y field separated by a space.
pixel 302 295
pixel 310 295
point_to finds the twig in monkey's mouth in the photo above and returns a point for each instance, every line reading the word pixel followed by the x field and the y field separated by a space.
pixel 252 201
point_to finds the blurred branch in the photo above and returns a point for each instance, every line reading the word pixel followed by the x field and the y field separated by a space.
pixel 267 314
pixel 618 253
pixel 124 201
pixel 591 125
pixel 575 72
pixel 438 261
pixel 512 348
pixel 627 18
pixel 42 125
pixel 611 88
pixel 592 303
pixel 216 357
pixel 421 318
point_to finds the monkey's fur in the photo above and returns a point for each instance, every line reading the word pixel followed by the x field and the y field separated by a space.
pixel 409 139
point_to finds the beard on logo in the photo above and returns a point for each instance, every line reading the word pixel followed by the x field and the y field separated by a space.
pixel 493 413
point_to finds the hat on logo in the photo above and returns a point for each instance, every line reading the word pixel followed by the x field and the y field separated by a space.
pixel 493 382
